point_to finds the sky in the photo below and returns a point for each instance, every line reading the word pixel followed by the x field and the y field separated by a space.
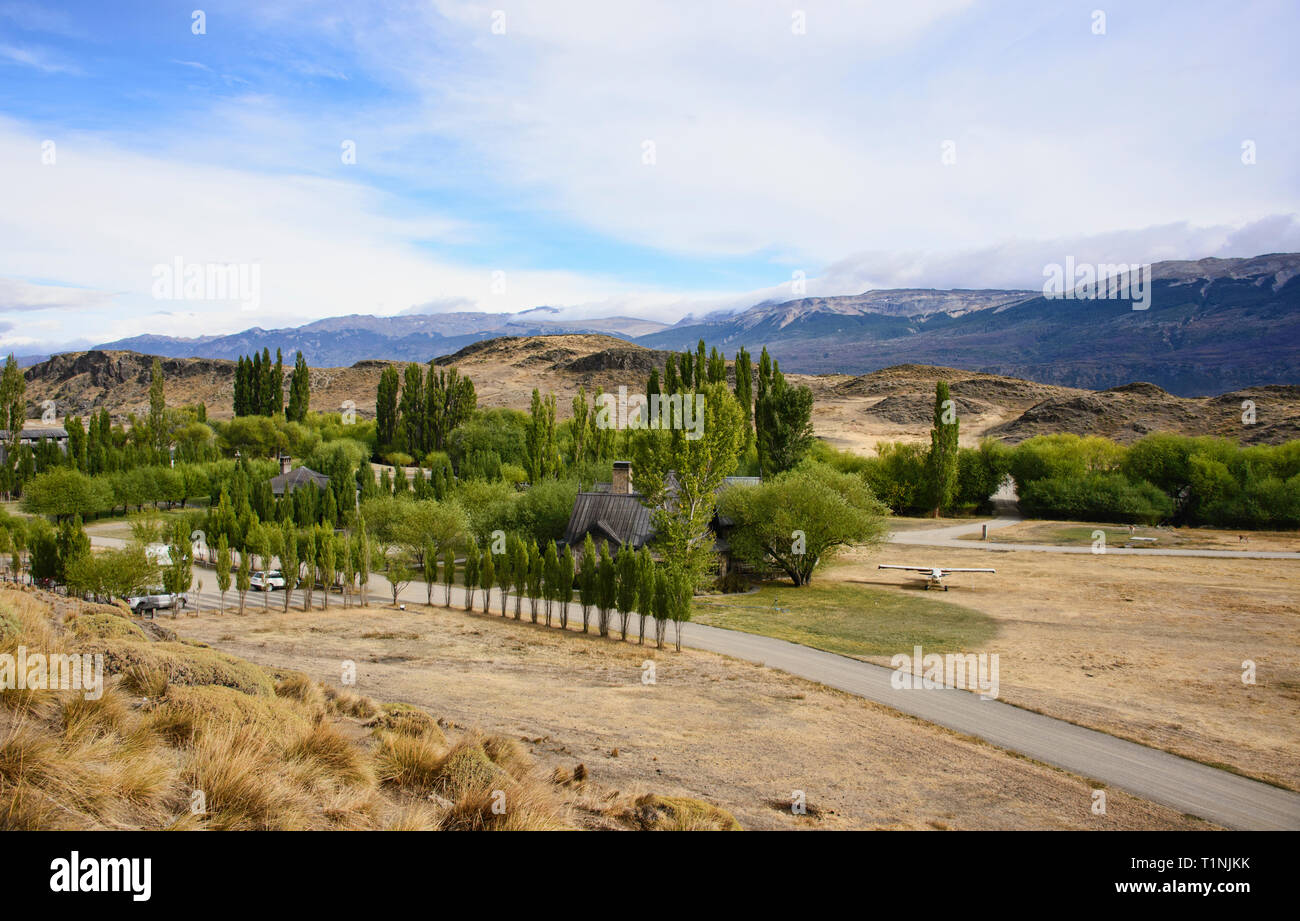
pixel 652 159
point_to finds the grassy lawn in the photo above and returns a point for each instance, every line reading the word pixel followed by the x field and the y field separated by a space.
pixel 853 620
pixel 120 526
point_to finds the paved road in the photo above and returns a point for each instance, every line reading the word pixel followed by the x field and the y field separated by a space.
pixel 949 537
pixel 1188 786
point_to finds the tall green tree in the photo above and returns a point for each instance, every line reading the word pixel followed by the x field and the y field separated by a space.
pixel 486 576
pixel 745 394
pixel 430 570
pixel 518 570
pixel 564 586
pixel 299 390
pixel 782 423
pixel 550 578
pixel 941 463
pixel 645 590
pixel 699 465
pixel 587 579
pixel 223 569
pixel 157 406
pixel 471 575
pixel 448 574
pixel 450 400
pixel 413 411
pixel 606 588
pixel 504 576
pixel 535 578
pixel 386 410
pixel 542 456
pixel 625 595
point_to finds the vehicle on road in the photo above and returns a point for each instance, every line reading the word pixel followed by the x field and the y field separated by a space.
pixel 158 600
pixel 266 581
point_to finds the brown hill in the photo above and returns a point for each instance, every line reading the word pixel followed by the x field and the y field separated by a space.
pixel 852 412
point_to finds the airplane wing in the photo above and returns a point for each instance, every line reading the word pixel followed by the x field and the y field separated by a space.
pixel 969 570
pixel 909 568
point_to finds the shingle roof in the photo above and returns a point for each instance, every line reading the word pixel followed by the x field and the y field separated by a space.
pixel 618 518
pixel 286 483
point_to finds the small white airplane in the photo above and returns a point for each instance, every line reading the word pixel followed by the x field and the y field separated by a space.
pixel 934 574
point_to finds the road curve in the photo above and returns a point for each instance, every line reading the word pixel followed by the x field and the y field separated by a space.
pixel 1188 786
pixel 1193 788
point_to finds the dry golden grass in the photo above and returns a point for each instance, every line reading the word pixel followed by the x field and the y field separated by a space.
pixel 409 761
pixel 186 712
pixel 297 686
pixel 348 703
pixel 407 720
pixel 187 738
pixel 678 813
pixel 182 663
pixel 100 625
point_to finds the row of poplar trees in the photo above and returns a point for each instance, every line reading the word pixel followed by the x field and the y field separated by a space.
pixel 624 585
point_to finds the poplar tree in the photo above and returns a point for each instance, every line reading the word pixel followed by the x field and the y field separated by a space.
pixel 625 596
pixel 487 575
pixel 587 574
pixel 299 390
pixel 941 462
pixel 448 575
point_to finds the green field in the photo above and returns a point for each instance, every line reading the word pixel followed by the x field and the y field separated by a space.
pixel 853 620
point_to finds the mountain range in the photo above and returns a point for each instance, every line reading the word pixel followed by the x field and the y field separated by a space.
pixel 1211 326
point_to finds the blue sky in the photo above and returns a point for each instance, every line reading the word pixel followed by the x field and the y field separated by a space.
pixel 643 158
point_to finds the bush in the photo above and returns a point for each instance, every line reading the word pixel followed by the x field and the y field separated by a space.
pixel 1096 497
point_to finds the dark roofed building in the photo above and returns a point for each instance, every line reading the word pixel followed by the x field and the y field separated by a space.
pixel 289 480
pixel 612 519
pixel 612 514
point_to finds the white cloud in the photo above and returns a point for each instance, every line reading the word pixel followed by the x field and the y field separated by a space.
pixel 103 218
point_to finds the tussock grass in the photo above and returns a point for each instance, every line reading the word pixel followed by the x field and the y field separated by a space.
pixel 414 816
pixel 322 746
pixel 652 812
pixel 186 712
pixel 297 686
pixel 183 663
pixel 147 680
pixel 100 625
pixel 237 773
pixel 348 703
pixel 407 720
pixel 410 762
pixel 267 750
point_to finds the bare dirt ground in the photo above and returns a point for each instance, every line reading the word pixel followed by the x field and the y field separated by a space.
pixel 743 736
pixel 1148 648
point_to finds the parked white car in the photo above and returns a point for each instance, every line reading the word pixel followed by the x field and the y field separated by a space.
pixel 157 601
pixel 266 581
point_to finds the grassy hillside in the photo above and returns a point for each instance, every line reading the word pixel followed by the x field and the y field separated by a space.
pixel 180 723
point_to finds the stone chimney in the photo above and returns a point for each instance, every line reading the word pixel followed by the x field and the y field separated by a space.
pixel 621 485
pixel 285 460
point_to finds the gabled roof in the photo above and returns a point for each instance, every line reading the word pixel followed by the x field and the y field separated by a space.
pixel 286 483
pixel 620 519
